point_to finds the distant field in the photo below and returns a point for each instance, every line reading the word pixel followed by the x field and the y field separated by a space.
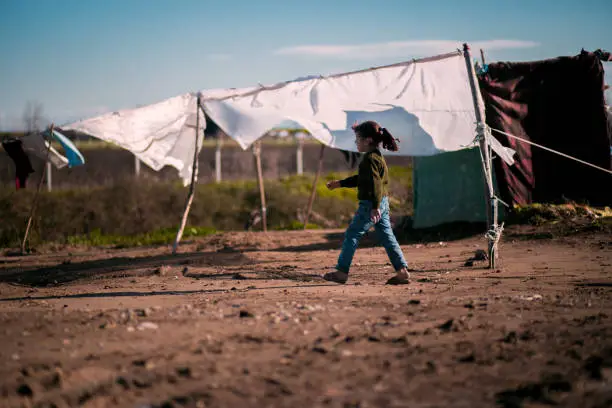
pixel 106 165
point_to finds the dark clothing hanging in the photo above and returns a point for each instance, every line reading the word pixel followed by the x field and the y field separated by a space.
pixel 558 103
pixel 23 166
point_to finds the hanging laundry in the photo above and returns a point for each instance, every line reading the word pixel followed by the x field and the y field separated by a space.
pixel 23 166
pixel 35 145
pixel 74 156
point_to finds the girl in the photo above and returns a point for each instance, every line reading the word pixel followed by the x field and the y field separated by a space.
pixel 372 183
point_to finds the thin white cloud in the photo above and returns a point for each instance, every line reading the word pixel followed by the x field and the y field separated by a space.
pixel 399 48
pixel 219 57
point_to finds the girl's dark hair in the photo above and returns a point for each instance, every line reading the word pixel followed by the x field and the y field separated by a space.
pixel 378 134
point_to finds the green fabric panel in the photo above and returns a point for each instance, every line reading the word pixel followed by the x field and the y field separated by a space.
pixel 449 187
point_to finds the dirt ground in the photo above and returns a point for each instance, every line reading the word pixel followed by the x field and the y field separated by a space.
pixel 244 320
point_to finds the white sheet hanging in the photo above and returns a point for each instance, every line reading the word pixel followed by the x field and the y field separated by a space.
pixel 427 104
pixel 159 134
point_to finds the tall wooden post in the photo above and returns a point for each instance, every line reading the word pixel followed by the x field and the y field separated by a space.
pixel 486 158
pixel 260 183
pixel 194 177
pixel 313 192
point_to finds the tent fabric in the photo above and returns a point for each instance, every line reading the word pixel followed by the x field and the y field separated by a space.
pixel 558 103
pixel 449 187
pixel 426 104
pixel 159 134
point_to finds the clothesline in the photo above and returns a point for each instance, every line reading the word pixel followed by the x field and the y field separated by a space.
pixel 551 150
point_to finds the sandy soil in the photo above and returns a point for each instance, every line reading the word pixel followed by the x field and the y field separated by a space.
pixel 244 320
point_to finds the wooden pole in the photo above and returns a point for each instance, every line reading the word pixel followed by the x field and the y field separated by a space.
pixel 485 155
pixel 482 57
pixel 194 175
pixel 40 181
pixel 260 183
pixel 313 192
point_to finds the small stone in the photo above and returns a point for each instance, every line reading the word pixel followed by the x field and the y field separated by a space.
pixel 108 325
pixel 25 390
pixel 162 270
pixel 510 338
pixel 468 263
pixel 123 382
pixel 480 255
pixel 184 371
pixel 414 302
pixel 245 313
pixel 446 326
pixel 147 325
pixel 470 358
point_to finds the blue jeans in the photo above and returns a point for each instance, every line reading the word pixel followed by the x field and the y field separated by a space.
pixel 360 224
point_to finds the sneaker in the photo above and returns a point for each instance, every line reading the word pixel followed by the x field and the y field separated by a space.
pixel 337 277
pixel 400 279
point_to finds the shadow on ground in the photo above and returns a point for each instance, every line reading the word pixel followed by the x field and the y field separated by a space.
pixel 404 233
pixel 69 271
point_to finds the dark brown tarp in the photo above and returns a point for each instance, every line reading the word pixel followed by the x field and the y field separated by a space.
pixel 558 103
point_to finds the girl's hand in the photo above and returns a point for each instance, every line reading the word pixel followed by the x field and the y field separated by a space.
pixel 375 215
pixel 333 184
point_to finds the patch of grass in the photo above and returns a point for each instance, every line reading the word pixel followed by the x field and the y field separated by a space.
pixel 296 225
pixel 135 212
pixel 158 237
pixel 540 214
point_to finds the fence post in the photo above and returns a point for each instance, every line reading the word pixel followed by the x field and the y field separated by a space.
pixel 218 159
pixel 136 166
pixel 49 177
pixel 299 154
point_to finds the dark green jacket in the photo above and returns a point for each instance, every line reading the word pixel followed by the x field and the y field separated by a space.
pixel 372 180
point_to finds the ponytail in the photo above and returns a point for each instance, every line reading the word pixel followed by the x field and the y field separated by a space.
pixel 388 141
pixel 378 134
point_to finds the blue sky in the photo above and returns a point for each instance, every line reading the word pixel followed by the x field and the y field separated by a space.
pixel 79 58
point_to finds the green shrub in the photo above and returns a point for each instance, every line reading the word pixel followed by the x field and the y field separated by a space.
pixel 138 212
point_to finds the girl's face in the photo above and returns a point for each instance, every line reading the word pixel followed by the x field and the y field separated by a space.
pixel 363 144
